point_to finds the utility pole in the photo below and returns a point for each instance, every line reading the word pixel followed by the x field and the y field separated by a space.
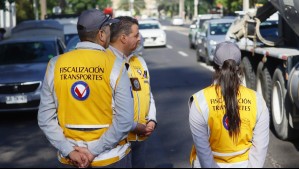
pixel 182 7
pixel 35 9
pixel 12 11
pixel 195 8
pixel 245 5
pixel 43 6
pixel 132 7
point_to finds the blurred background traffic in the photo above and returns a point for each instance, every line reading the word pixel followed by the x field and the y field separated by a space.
pixel 178 40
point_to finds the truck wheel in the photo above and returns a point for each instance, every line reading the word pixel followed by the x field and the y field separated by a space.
pixel 191 45
pixel 250 77
pixel 198 57
pixel 281 106
pixel 264 83
pixel 279 119
pixel 207 58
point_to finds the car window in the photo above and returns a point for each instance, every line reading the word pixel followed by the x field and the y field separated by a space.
pixel 219 28
pixel 72 43
pixel 27 52
pixel 148 26
pixel 68 37
pixel 201 22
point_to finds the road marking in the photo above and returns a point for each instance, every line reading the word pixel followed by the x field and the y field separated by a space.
pixel 183 54
pixel 169 47
pixel 183 33
pixel 206 66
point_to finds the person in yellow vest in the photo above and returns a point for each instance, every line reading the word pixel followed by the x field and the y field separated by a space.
pixel 125 38
pixel 229 122
pixel 87 108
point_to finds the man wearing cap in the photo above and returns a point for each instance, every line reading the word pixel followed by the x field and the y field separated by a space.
pixel 125 38
pixel 229 122
pixel 86 108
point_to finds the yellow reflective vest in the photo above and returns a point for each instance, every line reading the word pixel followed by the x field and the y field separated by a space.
pixel 85 94
pixel 212 106
pixel 139 77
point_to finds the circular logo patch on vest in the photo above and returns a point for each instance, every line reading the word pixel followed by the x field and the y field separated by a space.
pixel 80 90
pixel 136 84
pixel 225 122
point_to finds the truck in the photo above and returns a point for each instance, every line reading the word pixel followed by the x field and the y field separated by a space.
pixel 272 67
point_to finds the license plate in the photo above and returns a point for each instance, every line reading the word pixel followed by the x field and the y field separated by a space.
pixel 149 40
pixel 16 99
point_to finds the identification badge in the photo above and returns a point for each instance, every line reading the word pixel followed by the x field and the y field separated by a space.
pixel 135 84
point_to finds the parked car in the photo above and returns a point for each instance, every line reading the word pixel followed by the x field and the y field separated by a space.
pixel 196 27
pixel 214 32
pixel 177 21
pixel 152 33
pixel 23 61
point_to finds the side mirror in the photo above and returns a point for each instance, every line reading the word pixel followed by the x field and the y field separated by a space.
pixel 193 27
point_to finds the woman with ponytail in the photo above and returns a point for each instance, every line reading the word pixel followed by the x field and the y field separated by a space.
pixel 229 122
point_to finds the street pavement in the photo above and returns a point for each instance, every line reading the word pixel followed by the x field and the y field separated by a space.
pixel 175 76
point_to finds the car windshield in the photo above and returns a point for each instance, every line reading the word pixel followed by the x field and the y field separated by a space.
pixel 27 52
pixel 219 28
pixel 201 22
pixel 149 26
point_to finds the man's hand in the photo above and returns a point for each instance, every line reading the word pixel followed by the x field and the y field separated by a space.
pixel 78 159
pixel 86 152
pixel 140 129
pixel 150 127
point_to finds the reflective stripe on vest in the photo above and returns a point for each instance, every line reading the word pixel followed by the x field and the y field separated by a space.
pixel 212 108
pixel 106 158
pixel 142 97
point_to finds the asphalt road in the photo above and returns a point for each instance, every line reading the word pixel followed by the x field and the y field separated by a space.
pixel 175 76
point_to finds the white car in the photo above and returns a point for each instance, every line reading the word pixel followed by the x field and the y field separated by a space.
pixel 152 33
pixel 177 21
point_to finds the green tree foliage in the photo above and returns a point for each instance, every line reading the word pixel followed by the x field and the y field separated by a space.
pixel 24 10
pixel 171 7
pixel 237 5
pixel 138 5
pixel 77 6
pixel 2 4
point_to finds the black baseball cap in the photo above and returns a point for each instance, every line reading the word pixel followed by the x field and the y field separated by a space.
pixel 93 19
pixel 227 51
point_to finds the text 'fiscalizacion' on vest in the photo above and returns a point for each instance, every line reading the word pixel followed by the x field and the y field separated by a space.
pixel 81 73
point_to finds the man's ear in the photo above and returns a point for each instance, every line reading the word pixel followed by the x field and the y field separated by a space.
pixel 123 38
pixel 101 35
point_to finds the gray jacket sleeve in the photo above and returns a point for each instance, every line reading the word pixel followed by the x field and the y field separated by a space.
pixel 260 142
pixel 200 134
pixel 47 114
pixel 152 110
pixel 122 120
